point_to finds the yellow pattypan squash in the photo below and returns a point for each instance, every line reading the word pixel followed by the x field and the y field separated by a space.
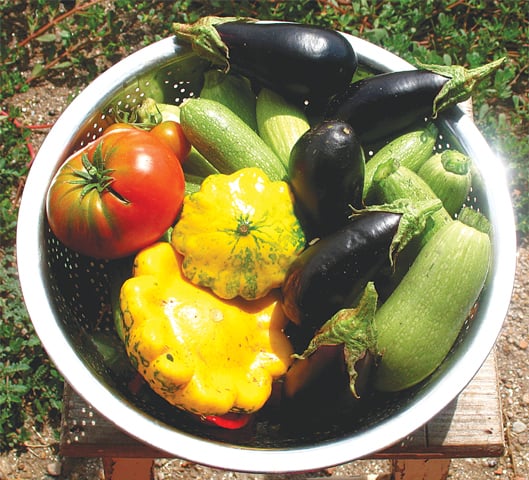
pixel 239 234
pixel 203 354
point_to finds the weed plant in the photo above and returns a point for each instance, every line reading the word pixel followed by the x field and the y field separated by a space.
pixel 74 41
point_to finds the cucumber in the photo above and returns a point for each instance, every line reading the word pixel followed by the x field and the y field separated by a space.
pixel 225 140
pixel 280 123
pixel 410 150
pixel 448 174
pixel 234 92
pixel 420 321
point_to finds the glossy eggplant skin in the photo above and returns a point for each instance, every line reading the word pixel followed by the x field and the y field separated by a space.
pixel 384 105
pixel 302 62
pixel 331 274
pixel 326 174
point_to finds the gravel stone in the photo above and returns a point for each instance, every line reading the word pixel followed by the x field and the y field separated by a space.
pixel 519 427
pixel 54 469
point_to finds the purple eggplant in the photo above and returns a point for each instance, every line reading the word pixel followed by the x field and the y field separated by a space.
pixel 335 367
pixel 331 273
pixel 382 106
pixel 326 172
pixel 301 62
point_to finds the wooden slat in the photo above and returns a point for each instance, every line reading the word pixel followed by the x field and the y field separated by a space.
pixel 85 433
pixel 471 426
pixel 420 469
pixel 128 468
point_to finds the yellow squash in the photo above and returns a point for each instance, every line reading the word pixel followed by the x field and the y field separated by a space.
pixel 239 234
pixel 203 354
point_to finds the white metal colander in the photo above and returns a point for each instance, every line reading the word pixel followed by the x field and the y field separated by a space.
pixel 68 295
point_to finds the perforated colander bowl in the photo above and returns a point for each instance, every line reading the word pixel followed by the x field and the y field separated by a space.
pixel 68 299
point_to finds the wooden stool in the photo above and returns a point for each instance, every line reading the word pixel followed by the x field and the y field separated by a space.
pixel 469 427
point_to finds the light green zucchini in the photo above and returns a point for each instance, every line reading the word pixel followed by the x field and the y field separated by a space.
pixel 410 150
pixel 448 174
pixel 280 123
pixel 420 321
pixel 234 92
pixel 225 140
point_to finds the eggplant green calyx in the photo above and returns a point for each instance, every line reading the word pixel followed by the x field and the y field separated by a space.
pixel 414 215
pixel 205 40
pixel 354 329
pixel 461 82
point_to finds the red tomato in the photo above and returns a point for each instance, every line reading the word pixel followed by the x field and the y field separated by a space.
pixel 120 126
pixel 172 134
pixel 117 195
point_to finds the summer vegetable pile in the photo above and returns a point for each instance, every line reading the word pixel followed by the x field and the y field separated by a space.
pixel 269 251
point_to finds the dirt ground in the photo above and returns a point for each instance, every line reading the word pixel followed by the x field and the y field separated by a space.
pixel 42 460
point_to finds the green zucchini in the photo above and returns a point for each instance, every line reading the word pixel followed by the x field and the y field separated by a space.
pixel 280 123
pixel 410 150
pixel 197 164
pixel 448 174
pixel 421 320
pixel 225 140
pixel 234 92
pixel 151 113
pixel 193 183
pixel 391 184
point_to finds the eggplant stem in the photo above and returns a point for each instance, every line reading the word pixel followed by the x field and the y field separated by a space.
pixel 353 328
pixel 414 215
pixel 461 82
pixel 205 40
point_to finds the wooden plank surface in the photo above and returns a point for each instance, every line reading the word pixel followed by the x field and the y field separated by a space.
pixel 470 426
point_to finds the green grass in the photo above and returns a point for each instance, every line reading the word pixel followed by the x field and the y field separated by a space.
pixel 29 385
pixel 42 41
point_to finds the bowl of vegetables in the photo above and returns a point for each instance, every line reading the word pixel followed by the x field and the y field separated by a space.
pixel 268 247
